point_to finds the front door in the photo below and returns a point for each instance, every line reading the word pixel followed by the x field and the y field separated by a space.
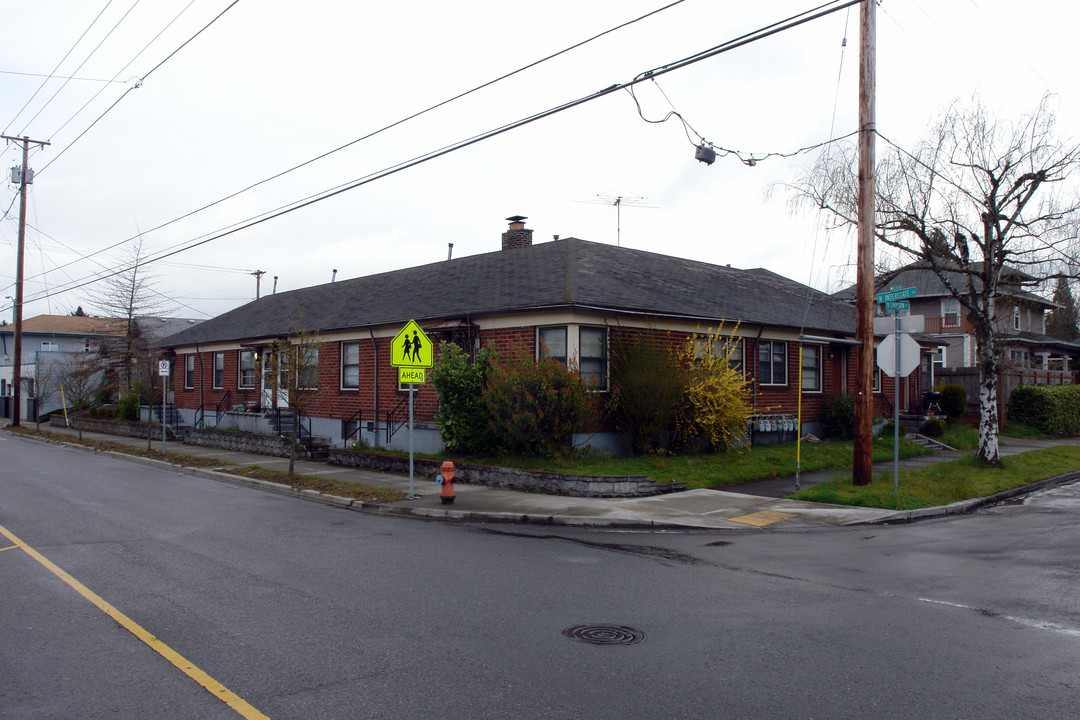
pixel 270 383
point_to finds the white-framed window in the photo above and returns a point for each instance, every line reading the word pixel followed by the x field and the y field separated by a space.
pixel 308 376
pixel 950 313
pixel 350 365
pixel 219 370
pixel 50 346
pixel 877 374
pixel 247 369
pixel 189 371
pixel 88 345
pixel 937 358
pixel 811 368
pixel 1016 318
pixel 735 357
pixel 593 363
pixel 552 343
pixel 772 362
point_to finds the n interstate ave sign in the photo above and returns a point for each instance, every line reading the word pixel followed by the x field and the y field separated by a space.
pixel 895 294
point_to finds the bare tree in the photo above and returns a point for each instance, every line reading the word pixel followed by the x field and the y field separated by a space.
pixel 294 365
pixel 126 295
pixel 987 205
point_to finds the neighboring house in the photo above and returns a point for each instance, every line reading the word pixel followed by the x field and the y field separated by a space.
pixel 47 342
pixel 948 339
pixel 568 299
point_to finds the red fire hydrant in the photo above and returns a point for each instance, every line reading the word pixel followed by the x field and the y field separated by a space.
pixel 446 479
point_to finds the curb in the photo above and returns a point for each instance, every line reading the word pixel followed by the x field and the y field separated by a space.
pixel 966 506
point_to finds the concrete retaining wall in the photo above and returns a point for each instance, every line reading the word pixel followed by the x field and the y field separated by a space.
pixel 114 427
pixel 511 478
pixel 241 442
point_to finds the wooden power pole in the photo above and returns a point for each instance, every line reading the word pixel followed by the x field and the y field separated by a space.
pixel 864 281
pixel 16 367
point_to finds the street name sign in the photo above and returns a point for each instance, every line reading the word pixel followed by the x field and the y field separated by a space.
pixel 895 294
pixel 411 348
pixel 895 306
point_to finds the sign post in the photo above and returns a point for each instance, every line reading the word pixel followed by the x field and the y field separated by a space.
pixel 896 302
pixel 411 353
pixel 163 373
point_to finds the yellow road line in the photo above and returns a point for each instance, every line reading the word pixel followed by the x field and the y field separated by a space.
pixel 10 547
pixel 212 686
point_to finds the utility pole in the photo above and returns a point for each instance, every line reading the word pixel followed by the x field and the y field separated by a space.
pixel 258 281
pixel 864 281
pixel 24 180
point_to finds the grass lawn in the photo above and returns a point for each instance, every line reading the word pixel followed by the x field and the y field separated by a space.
pixel 947 482
pixel 703 471
pixel 138 451
pixel 357 491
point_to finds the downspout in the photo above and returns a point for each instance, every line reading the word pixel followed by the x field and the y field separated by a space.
pixel 757 340
pixel 375 349
pixel 202 409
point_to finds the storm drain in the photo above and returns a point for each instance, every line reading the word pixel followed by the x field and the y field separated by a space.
pixel 605 634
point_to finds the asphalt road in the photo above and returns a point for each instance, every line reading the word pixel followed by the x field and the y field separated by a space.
pixel 308 611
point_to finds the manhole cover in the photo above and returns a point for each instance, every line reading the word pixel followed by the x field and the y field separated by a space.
pixel 605 634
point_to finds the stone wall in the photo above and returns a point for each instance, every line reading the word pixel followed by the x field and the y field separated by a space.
pixel 114 427
pixel 241 442
pixel 511 478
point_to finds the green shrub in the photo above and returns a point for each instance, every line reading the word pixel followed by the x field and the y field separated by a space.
pixel 933 428
pixel 128 406
pixel 1052 409
pixel 838 415
pixel 464 420
pixel 887 430
pixel 534 406
pixel 648 384
pixel 953 400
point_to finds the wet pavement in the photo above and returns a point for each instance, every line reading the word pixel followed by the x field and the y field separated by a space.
pixel 746 506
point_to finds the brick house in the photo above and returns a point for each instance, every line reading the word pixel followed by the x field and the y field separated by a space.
pixel 568 299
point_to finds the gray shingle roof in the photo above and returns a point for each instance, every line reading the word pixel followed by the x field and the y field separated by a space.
pixel 928 284
pixel 564 273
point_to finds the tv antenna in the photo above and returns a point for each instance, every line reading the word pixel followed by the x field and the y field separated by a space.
pixel 630 200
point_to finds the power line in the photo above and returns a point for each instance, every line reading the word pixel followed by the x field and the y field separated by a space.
pixel 85 60
pixel 53 73
pixel 768 31
pixel 387 127
pixel 138 85
pixel 126 66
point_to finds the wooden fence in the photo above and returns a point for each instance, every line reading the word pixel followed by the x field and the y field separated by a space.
pixel 1009 381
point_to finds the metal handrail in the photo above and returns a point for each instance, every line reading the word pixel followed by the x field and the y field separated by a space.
pixel 392 425
pixel 358 417
pixel 224 402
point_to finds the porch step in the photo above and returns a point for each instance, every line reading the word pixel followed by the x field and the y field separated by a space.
pixel 928 442
pixel 318 448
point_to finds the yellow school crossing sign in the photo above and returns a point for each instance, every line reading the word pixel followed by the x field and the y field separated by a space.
pixel 410 353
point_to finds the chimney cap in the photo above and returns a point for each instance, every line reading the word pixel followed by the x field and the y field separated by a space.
pixel 517 218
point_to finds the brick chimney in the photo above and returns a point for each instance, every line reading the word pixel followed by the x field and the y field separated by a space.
pixel 518 235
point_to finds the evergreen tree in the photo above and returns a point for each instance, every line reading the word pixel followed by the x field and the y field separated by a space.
pixel 1062 323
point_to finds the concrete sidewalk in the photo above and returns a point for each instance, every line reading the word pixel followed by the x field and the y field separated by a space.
pixel 744 507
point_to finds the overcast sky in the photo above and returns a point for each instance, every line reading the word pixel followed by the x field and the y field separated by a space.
pixel 271 85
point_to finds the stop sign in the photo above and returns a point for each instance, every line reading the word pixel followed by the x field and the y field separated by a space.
pixel 909 355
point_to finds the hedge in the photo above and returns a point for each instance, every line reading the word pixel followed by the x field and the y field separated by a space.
pixel 1053 409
